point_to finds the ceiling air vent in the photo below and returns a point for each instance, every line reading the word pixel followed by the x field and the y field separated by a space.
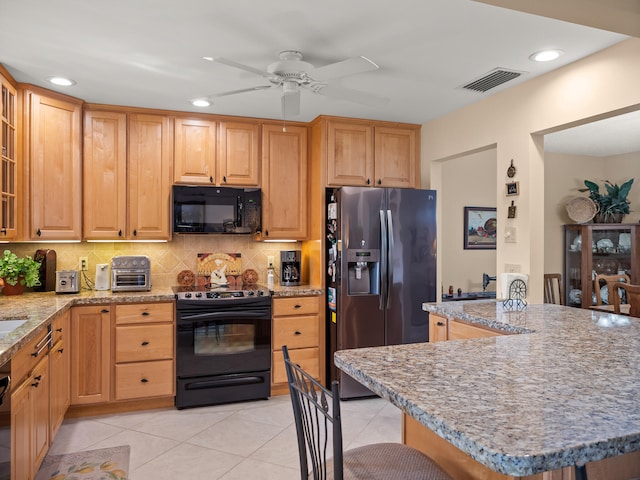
pixel 492 79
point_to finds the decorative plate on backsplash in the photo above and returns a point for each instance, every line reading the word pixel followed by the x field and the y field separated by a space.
pixel 250 276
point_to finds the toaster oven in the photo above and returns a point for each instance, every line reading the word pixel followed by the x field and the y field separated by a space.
pixel 130 273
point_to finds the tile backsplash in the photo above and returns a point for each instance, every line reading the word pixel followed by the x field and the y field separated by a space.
pixel 167 259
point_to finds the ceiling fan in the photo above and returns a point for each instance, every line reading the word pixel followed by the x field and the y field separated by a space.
pixel 291 73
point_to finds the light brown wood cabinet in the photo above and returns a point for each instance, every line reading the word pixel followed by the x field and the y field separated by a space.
pixel 296 324
pixel 284 183
pixel 53 161
pixel 60 371
pixel 239 153
pixel 30 407
pixel 438 328
pixel 144 351
pixel 441 328
pixel 127 176
pixel 370 153
pixel 90 354
pixel 195 151
pixel 8 160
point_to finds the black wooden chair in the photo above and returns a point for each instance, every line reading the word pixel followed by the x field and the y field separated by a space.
pixel 316 411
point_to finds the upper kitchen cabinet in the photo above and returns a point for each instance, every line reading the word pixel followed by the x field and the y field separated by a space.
pixel 216 154
pixel 284 182
pixel 9 170
pixel 368 153
pixel 53 165
pixel 127 176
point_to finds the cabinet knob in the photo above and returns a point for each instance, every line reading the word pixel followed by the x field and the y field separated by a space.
pixel 104 310
pixel 145 314
pixel 39 233
pixel 144 380
pixel 224 179
pixel 38 378
pixel 297 306
pixel 119 233
pixel 35 384
pixel 4 231
pixel 298 333
pixel 60 350
pixel 379 181
pixel 440 324
pixel 210 179
pixel 368 181
pixel 135 232
pixel 59 329
pixel 144 344
pixel 266 233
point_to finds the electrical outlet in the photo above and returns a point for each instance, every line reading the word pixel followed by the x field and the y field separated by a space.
pixel 84 263
pixel 511 268
pixel 270 261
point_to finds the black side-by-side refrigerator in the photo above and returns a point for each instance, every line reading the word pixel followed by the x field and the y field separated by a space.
pixel 381 267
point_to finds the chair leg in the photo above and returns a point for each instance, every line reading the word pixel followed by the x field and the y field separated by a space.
pixel 581 472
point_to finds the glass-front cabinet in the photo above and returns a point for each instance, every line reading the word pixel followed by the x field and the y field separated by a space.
pixel 8 158
pixel 598 249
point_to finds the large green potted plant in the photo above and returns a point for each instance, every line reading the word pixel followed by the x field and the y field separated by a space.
pixel 18 272
pixel 612 205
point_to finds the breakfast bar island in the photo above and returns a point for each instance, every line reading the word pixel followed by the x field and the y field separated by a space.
pixel 551 388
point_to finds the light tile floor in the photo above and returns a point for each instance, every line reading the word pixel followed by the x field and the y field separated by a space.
pixel 251 440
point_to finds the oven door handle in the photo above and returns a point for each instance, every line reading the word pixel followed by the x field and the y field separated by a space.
pixel 223 315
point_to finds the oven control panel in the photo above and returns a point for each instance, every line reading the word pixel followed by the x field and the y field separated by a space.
pixel 221 295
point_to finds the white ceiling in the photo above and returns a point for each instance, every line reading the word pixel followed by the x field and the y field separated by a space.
pixel 148 53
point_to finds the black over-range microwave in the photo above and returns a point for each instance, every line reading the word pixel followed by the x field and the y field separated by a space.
pixel 209 209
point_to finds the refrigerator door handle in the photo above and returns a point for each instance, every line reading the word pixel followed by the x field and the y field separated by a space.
pixel 389 262
pixel 383 260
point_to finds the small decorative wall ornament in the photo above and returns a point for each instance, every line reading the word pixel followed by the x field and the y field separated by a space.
pixel 511 171
pixel 512 211
pixel 513 188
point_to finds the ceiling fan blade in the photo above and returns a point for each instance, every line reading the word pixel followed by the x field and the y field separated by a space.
pixel 241 66
pixel 242 90
pixel 290 104
pixel 352 95
pixel 346 67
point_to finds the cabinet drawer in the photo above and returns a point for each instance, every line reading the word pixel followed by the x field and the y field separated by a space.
pixel 135 343
pixel 295 306
pixel 60 327
pixel 144 313
pixel 307 358
pixel 295 332
pixel 26 358
pixel 144 379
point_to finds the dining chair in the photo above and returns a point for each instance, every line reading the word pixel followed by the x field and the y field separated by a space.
pixel 633 297
pixel 316 411
pixel 608 280
pixel 553 288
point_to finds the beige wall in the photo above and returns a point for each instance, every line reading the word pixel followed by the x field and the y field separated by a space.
pixel 470 182
pixel 515 121
pixel 564 175
pixel 167 259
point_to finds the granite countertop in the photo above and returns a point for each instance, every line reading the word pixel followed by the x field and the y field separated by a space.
pixel 40 308
pixel 562 392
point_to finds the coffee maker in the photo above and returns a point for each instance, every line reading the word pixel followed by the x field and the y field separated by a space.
pixel 290 271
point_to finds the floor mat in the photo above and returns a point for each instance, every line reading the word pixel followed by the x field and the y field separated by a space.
pixel 102 464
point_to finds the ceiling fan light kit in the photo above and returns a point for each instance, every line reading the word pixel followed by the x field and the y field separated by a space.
pixel 291 73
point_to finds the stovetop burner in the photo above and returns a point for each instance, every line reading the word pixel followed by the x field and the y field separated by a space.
pixel 214 292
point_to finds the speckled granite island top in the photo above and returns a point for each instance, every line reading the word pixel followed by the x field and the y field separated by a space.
pixel 39 309
pixel 565 391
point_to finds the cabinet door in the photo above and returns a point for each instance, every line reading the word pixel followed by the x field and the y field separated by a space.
pixel 91 354
pixel 40 410
pixel 105 175
pixel 195 151
pixel 8 159
pixel 150 158
pixel 284 182
pixel 54 166
pixel 239 157
pixel 349 154
pixel 21 426
pixel 438 328
pixel 395 157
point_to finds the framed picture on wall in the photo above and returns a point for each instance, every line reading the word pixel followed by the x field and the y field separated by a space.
pixel 480 228
pixel 512 188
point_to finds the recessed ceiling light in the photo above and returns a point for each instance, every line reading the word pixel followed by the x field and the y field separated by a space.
pixel 61 81
pixel 201 102
pixel 545 55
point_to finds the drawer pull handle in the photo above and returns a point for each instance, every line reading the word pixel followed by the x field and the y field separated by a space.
pixel 144 344
pixel 440 324
pixel 59 329
pixel 144 380
pixel 298 333
pixel 104 310
pixel 145 314
pixel 35 384
pixel 38 378
pixel 60 350
pixel 297 306
pixel 42 349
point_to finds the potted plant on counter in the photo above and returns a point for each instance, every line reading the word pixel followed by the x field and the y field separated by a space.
pixel 17 273
pixel 612 205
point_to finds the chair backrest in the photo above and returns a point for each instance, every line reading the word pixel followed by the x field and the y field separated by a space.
pixel 553 288
pixel 633 297
pixel 608 280
pixel 316 412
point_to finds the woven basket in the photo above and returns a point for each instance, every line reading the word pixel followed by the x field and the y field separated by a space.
pixel 581 209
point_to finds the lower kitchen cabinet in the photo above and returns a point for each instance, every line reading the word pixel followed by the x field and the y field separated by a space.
pixel 441 328
pixel 60 371
pixel 296 324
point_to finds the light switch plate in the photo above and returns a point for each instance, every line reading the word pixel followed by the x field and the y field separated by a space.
pixel 512 268
pixel 510 235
